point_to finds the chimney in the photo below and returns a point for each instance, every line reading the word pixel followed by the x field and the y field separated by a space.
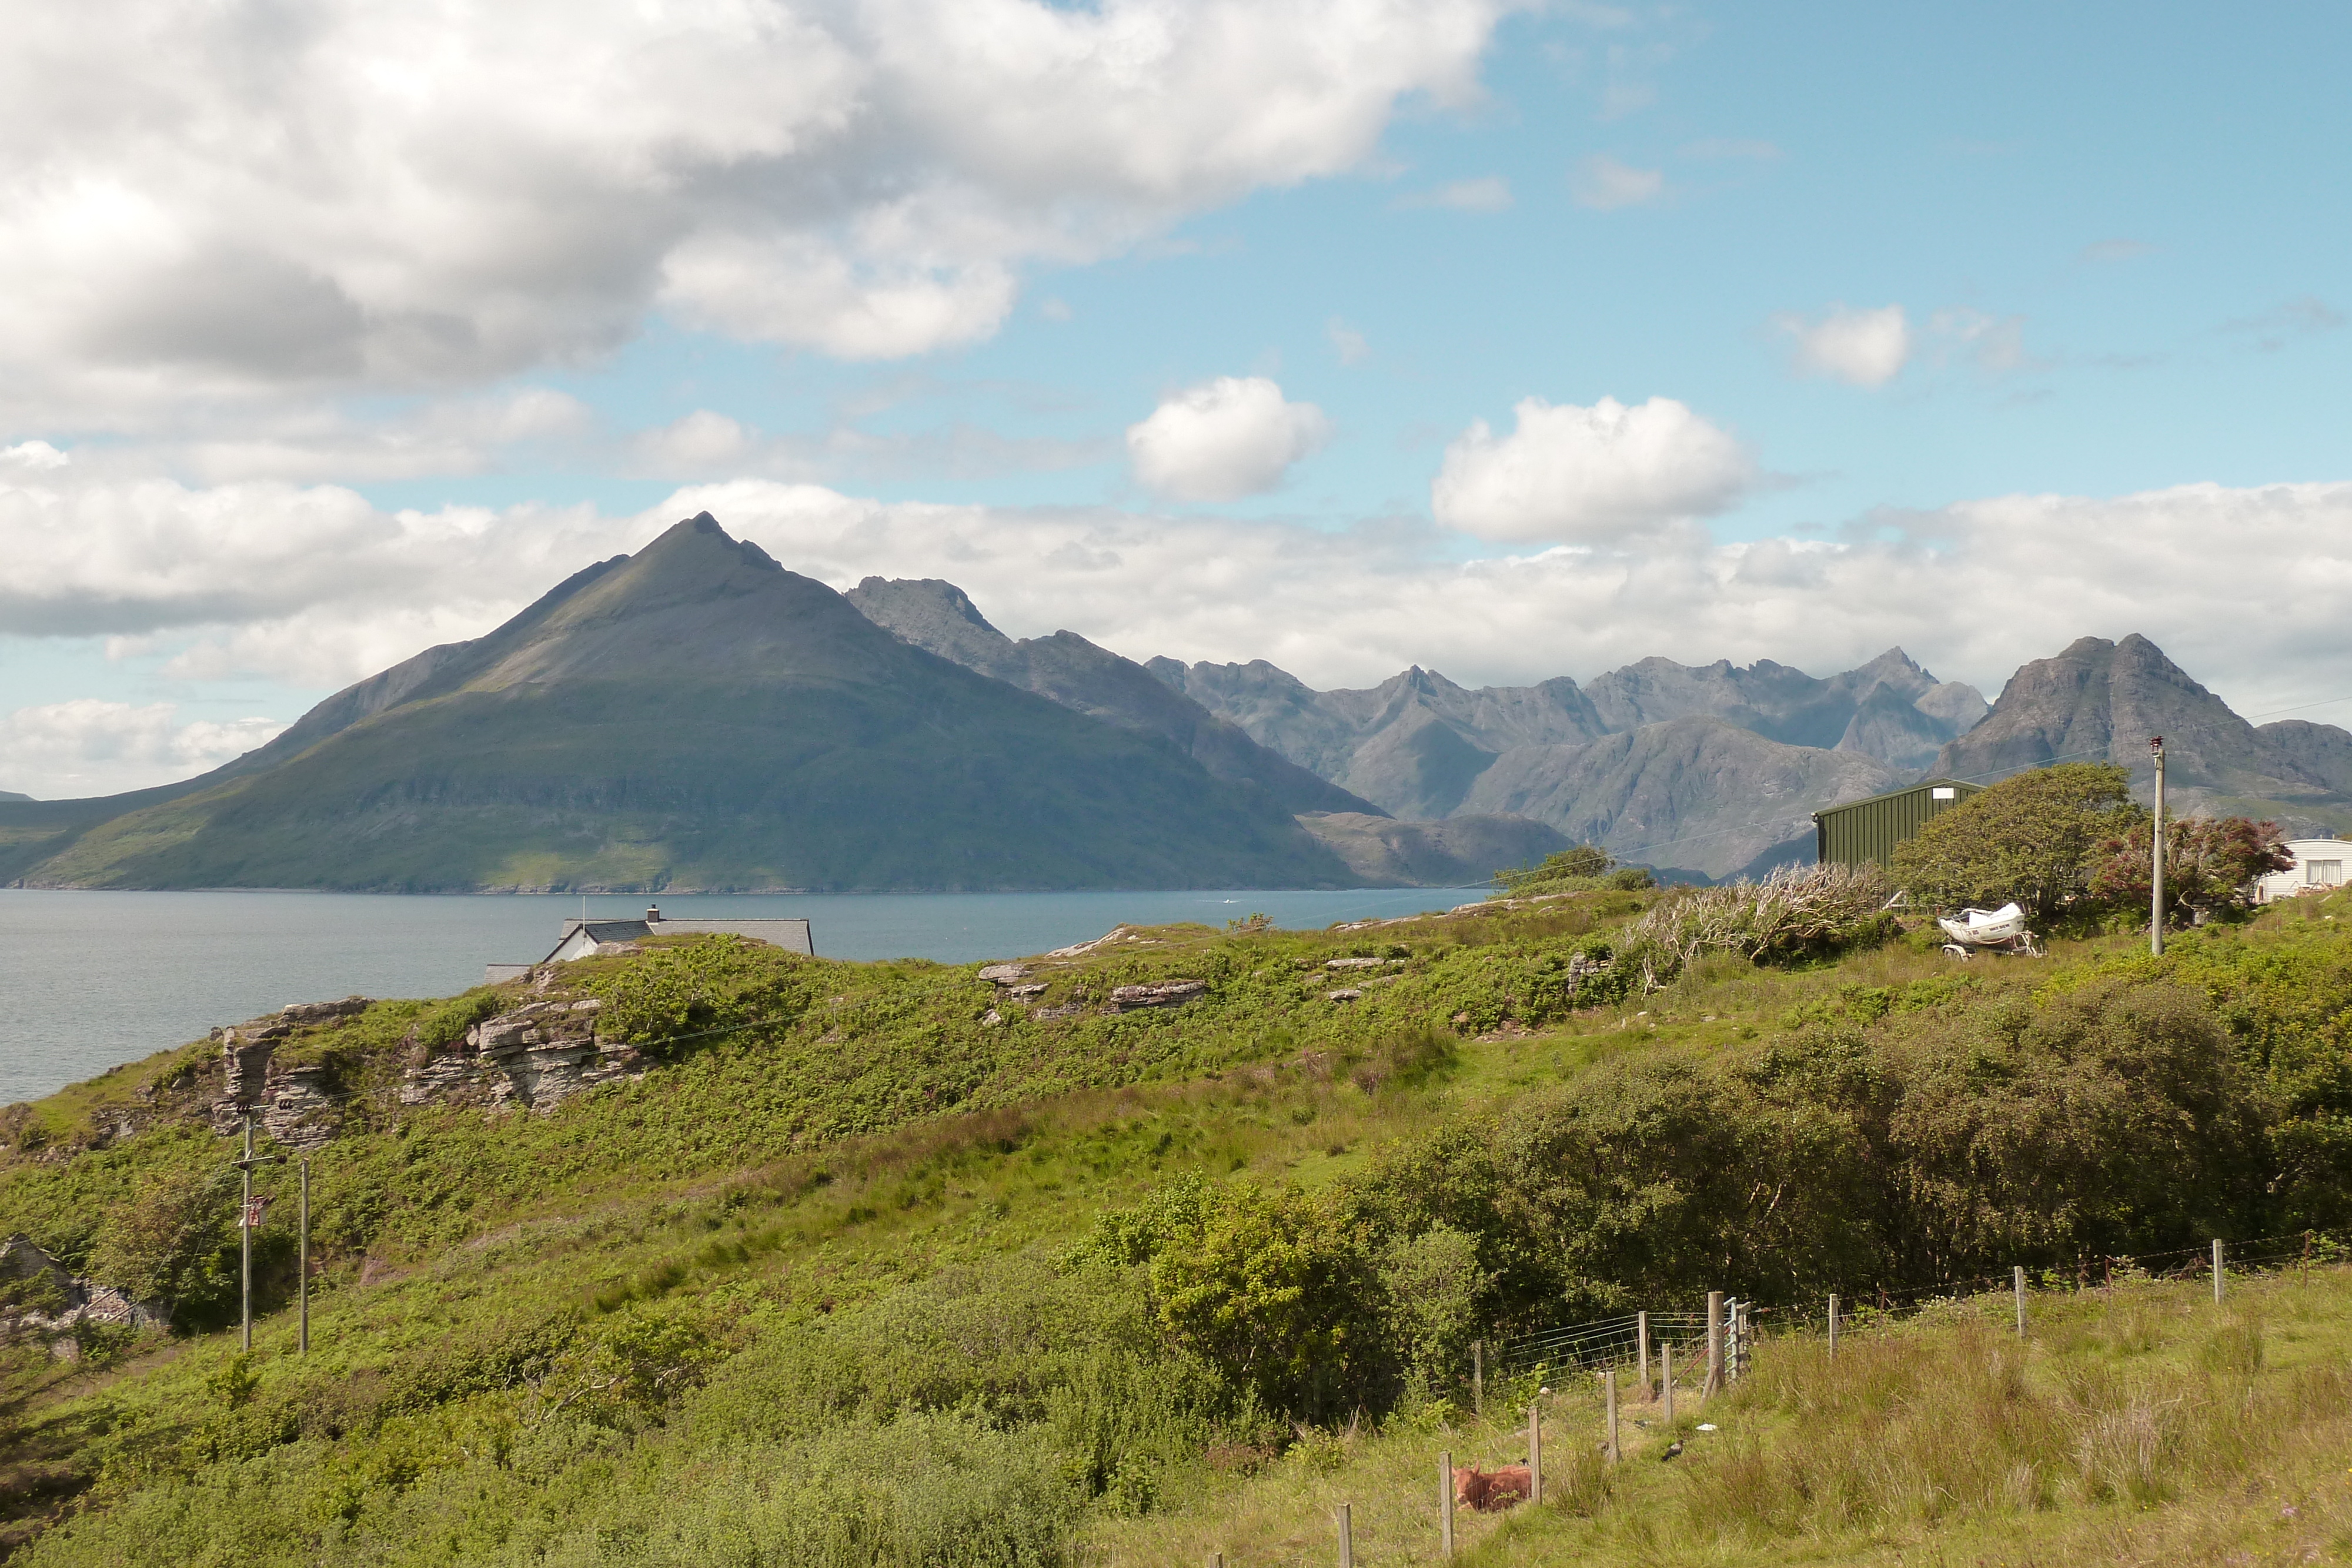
pixel 653 914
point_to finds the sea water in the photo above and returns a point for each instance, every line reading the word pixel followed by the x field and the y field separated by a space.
pixel 89 980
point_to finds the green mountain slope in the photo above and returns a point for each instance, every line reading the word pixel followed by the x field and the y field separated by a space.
pixel 692 717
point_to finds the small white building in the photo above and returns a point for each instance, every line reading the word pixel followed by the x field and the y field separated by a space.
pixel 586 939
pixel 2318 867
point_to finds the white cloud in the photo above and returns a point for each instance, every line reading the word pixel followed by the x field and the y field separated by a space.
pixel 1865 347
pixel 1587 474
pixel 212 202
pixel 1603 184
pixel 1346 341
pixel 34 454
pixel 1223 439
pixel 316 588
pixel 1490 194
pixel 85 747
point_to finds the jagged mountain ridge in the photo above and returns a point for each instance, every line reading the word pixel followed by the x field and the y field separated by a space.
pixel 1710 799
pixel 1066 668
pixel 690 716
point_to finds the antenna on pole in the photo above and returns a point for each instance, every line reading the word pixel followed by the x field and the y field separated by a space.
pixel 2156 860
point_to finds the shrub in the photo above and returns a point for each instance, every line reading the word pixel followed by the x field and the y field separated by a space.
pixel 2034 839
pixel 1583 865
pixel 2208 862
pixel 1797 912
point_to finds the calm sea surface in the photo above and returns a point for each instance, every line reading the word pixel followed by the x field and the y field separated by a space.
pixel 91 979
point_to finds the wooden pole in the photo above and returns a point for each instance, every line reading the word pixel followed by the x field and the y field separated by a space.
pixel 1714 1346
pixel 2017 1282
pixel 1347 1540
pixel 2156 865
pixel 1446 1504
pixel 1667 1378
pixel 1641 1345
pixel 1535 1451
pixel 245 1243
pixel 2217 1272
pixel 1833 1325
pixel 303 1262
pixel 1478 1378
pixel 1609 1393
pixel 1743 1336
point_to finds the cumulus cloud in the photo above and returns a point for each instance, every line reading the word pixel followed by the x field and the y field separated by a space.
pixel 65 750
pixel 1223 439
pixel 1604 184
pixel 1865 347
pixel 210 198
pixel 1588 474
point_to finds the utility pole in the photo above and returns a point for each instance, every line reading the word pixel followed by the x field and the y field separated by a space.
pixel 248 1217
pixel 2156 892
pixel 302 1273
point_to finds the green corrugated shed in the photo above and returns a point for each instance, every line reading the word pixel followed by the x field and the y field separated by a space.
pixel 1861 832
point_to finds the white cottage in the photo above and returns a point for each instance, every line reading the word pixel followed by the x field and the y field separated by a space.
pixel 586 939
pixel 2318 868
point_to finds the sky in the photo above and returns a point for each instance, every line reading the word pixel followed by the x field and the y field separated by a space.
pixel 1512 341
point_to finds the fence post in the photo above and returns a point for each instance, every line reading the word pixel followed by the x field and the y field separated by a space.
pixel 1478 1378
pixel 2217 1272
pixel 1216 1560
pixel 1446 1504
pixel 2017 1281
pixel 1609 1393
pixel 1642 1338
pixel 1833 1325
pixel 1743 1339
pixel 1347 1540
pixel 1667 1378
pixel 1535 1451
pixel 1714 1346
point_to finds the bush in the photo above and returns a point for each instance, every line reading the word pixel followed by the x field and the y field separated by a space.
pixel 1797 912
pixel 2035 839
pixel 2208 862
pixel 1583 865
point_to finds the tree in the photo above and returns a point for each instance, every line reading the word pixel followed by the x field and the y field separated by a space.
pixel 1583 862
pixel 175 1246
pixel 2208 860
pixel 2035 839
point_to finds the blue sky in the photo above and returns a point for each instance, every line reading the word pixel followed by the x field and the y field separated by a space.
pixel 2114 236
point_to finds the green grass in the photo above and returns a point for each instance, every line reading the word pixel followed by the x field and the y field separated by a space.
pixel 2140 1424
pixel 812 1291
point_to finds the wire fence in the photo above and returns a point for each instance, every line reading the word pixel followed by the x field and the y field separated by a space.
pixel 1602 1342
pixel 1612 1340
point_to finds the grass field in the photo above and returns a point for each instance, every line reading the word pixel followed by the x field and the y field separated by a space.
pixel 876 1282
pixel 2136 1425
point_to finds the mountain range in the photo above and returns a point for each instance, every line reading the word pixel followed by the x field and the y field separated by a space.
pixel 697 717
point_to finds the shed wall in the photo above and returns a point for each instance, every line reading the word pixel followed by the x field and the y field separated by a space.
pixel 1867 832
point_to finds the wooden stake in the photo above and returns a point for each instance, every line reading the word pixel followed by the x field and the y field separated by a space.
pixel 1642 1344
pixel 1446 1504
pixel 2217 1272
pixel 1667 1378
pixel 1714 1346
pixel 1609 1393
pixel 1478 1378
pixel 1535 1451
pixel 1833 1316
pixel 2017 1282
pixel 1347 1540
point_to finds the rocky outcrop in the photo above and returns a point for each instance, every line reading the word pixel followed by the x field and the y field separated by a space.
pixel 1166 994
pixel 291 1099
pixel 38 1296
pixel 537 1056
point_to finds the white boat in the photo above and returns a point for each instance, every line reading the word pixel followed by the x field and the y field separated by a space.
pixel 1986 927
